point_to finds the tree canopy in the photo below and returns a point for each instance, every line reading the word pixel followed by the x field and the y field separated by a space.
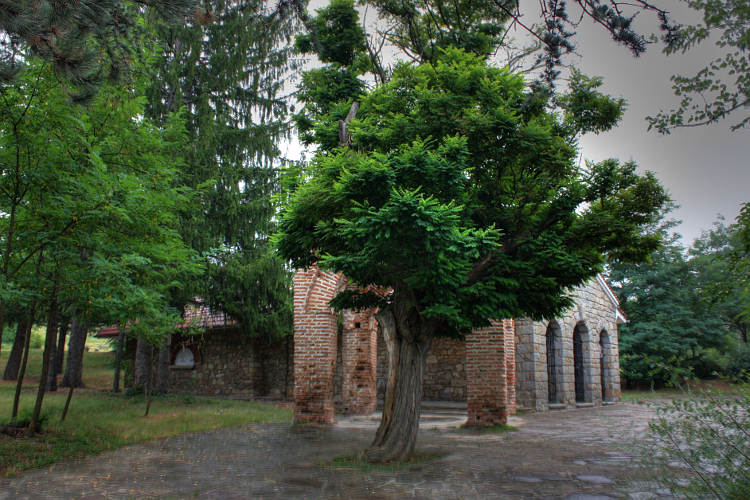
pixel 460 194
pixel 228 76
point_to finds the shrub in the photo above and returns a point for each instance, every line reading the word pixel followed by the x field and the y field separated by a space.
pixel 709 436
pixel 739 363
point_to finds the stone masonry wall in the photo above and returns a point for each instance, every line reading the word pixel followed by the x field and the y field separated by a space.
pixel 235 365
pixel 445 371
pixel 593 313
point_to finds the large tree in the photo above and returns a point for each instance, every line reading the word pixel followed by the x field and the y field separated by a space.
pixel 458 199
pixel 88 207
pixel 227 73
pixel 670 322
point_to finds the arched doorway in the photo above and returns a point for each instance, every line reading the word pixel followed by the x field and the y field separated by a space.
pixel 580 335
pixel 554 363
pixel 604 362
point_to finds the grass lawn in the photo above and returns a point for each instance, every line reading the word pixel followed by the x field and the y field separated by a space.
pixel 718 387
pixel 100 420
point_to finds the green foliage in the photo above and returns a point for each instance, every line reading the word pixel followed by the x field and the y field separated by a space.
pixel 685 309
pixel 88 41
pixel 587 109
pixel 669 324
pixel 738 366
pixel 461 193
pixel 92 202
pixel 722 88
pixel 228 74
pixel 423 29
pixel 335 34
pixel 708 436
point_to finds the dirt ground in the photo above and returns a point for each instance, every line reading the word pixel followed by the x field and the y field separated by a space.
pixel 575 454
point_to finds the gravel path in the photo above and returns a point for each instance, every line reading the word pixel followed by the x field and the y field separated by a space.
pixel 572 454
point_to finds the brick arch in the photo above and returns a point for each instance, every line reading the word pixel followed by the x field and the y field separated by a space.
pixel 315 328
pixel 315 288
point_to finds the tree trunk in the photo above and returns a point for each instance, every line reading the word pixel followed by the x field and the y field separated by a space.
pixel 408 338
pixel 60 355
pixel 14 358
pixel 142 362
pixel 49 348
pixel 2 322
pixel 76 346
pixel 162 368
pixel 52 322
pixel 149 377
pixel 22 371
pixel 118 360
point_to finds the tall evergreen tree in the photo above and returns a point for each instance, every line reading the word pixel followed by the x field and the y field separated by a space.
pixel 227 73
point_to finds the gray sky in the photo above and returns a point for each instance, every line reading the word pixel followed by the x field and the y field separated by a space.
pixel 705 169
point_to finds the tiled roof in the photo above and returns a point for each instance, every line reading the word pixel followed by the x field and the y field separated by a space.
pixel 195 315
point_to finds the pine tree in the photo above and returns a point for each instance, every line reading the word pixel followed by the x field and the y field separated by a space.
pixel 227 74
pixel 87 40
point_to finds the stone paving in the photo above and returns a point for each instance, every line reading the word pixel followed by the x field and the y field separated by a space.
pixel 574 454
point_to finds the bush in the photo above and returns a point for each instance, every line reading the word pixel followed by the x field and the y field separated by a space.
pixel 738 367
pixel 709 364
pixel 37 337
pixel 9 334
pixel 710 437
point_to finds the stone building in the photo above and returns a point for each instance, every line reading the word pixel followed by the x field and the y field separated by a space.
pixel 336 362
pixel 571 360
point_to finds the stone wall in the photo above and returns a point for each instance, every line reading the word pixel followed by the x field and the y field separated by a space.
pixel 234 365
pixel 595 316
pixel 444 375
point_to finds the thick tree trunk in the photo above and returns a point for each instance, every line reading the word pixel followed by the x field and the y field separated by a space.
pixel 408 338
pixel 142 364
pixel 162 369
pixel 60 354
pixel 118 360
pixel 76 346
pixel 14 358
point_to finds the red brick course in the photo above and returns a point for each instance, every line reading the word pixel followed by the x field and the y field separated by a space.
pixel 490 375
pixel 314 344
pixel 486 380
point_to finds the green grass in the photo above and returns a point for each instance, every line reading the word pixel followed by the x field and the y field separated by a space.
pixel 99 420
pixel 718 387
pixel 359 462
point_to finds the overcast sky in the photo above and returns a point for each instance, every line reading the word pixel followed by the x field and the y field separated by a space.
pixel 705 169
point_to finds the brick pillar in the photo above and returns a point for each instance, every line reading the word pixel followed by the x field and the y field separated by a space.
pixel 314 345
pixel 486 390
pixel 509 332
pixel 359 362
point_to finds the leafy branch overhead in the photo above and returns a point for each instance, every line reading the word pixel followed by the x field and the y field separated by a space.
pixel 722 88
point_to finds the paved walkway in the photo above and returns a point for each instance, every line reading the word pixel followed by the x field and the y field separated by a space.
pixel 571 454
